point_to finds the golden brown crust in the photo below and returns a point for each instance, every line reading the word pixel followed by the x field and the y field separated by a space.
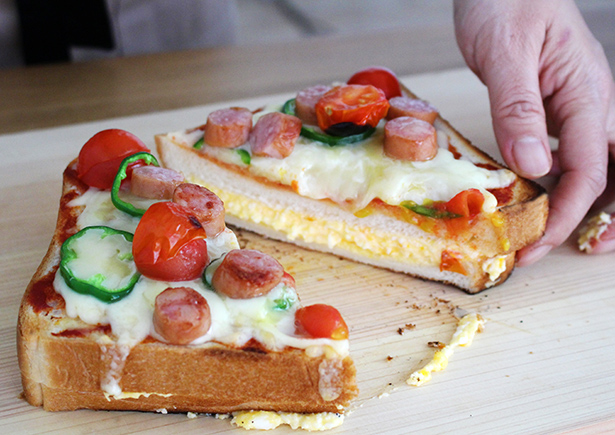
pixel 179 378
pixel 62 368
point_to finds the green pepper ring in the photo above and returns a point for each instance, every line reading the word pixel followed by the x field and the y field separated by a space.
pixel 429 211
pixel 121 175
pixel 310 133
pixel 84 287
pixel 199 143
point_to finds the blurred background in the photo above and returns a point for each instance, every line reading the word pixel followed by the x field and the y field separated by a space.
pixel 256 22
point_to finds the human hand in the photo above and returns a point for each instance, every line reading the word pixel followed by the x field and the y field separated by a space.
pixel 545 73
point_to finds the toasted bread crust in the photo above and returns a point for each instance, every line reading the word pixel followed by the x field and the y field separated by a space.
pixel 62 368
pixel 213 379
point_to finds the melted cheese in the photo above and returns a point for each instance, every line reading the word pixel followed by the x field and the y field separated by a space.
pixel 114 256
pixel 463 336
pixel 267 420
pixel 356 174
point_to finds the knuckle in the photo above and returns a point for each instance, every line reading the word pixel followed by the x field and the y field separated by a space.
pixel 596 180
pixel 598 183
pixel 520 107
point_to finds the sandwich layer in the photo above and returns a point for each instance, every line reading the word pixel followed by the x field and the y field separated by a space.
pixel 351 201
pixel 376 235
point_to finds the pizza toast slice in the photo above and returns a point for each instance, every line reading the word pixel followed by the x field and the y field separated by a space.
pixel 376 177
pixel 125 314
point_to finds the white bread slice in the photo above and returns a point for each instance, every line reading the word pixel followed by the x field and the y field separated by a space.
pixel 63 360
pixel 383 237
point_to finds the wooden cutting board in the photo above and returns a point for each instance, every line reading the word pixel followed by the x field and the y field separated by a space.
pixel 544 363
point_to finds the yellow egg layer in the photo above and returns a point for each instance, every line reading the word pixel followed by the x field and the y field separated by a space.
pixel 362 241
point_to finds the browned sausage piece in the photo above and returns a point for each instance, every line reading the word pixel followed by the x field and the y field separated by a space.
pixel 412 139
pixel 406 106
pixel 181 315
pixel 154 183
pixel 228 128
pixel 305 103
pixel 246 273
pixel 274 135
pixel 204 204
pixel 289 280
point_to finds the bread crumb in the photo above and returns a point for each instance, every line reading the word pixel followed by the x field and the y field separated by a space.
pixel 405 328
pixel 191 415
pixel 162 411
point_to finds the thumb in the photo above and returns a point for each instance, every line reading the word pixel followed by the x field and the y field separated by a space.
pixel 518 115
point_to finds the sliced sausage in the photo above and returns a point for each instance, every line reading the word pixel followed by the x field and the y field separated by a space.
pixel 274 135
pixel 154 183
pixel 412 139
pixel 181 315
pixel 406 106
pixel 204 204
pixel 289 280
pixel 228 128
pixel 246 273
pixel 305 103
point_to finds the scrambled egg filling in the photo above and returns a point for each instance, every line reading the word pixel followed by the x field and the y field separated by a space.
pixel 267 420
pixel 363 241
pixel 593 230
pixel 463 336
pixel 494 267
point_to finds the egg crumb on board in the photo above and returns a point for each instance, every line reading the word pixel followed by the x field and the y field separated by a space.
pixel 268 420
pixel 591 232
pixel 464 334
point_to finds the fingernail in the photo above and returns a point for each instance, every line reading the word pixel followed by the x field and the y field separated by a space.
pixel 535 254
pixel 531 156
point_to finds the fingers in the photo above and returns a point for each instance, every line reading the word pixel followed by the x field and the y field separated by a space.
pixel 531 54
pixel 518 115
pixel 583 159
pixel 605 240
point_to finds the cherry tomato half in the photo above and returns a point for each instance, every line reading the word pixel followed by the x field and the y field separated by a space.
pixel 321 321
pixel 467 203
pixel 362 105
pixel 380 77
pixel 101 156
pixel 169 244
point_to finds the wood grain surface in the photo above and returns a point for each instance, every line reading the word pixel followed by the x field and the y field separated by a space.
pixel 544 363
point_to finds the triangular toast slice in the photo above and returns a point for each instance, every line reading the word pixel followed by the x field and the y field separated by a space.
pixel 72 356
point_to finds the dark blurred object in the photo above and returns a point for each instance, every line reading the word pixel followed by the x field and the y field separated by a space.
pixel 49 28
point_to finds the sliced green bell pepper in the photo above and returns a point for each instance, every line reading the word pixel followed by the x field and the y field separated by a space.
pixel 289 108
pixel 98 261
pixel 119 203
